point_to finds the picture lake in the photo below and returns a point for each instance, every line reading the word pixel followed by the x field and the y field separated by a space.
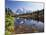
pixel 22 17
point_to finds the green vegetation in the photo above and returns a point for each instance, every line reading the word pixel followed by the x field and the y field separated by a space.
pixel 9 22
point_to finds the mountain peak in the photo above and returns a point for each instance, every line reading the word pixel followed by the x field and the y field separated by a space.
pixel 23 10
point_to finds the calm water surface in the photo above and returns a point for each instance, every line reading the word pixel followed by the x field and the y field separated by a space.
pixel 30 22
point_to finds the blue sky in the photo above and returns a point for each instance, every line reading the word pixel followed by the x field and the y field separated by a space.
pixel 26 5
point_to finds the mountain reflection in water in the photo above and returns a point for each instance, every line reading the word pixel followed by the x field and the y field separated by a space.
pixel 30 23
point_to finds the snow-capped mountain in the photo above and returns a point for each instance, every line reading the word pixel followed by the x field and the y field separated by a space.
pixel 22 10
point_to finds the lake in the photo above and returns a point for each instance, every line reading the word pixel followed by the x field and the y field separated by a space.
pixel 29 24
